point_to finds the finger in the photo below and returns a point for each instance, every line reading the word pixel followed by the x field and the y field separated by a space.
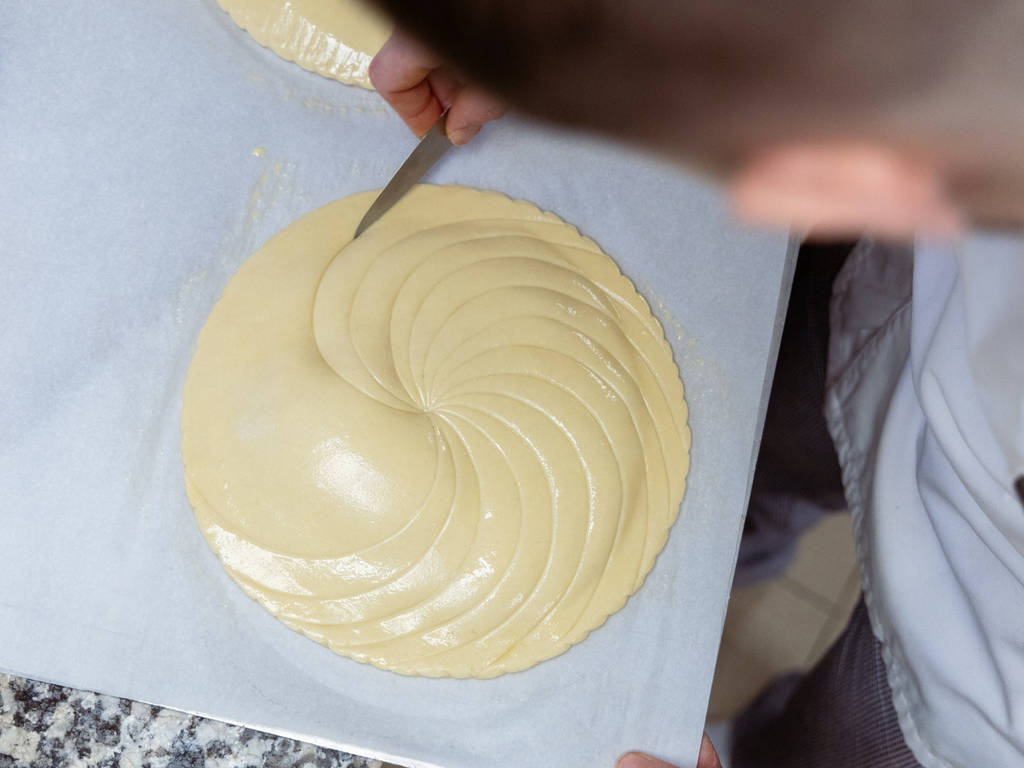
pixel 400 72
pixel 641 760
pixel 472 108
pixel 708 757
pixel 445 85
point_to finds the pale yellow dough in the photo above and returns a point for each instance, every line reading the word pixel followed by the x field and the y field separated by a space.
pixel 452 447
pixel 335 38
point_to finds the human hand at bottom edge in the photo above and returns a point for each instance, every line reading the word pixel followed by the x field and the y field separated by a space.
pixel 708 758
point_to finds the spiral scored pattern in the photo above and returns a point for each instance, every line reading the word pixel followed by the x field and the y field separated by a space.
pixel 452 447
pixel 334 38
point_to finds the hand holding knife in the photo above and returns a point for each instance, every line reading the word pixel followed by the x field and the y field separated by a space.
pixel 430 149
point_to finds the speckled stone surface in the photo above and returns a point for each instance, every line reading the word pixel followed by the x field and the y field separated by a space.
pixel 49 726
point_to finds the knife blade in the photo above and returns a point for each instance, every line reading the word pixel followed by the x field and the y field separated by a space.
pixel 430 149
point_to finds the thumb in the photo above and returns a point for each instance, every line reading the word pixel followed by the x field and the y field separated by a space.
pixel 641 760
pixel 708 758
pixel 470 110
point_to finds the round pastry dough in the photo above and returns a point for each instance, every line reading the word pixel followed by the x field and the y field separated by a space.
pixel 451 447
pixel 335 38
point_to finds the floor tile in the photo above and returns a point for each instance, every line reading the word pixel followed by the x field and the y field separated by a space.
pixel 838 619
pixel 828 634
pixel 770 623
pixel 824 557
pixel 738 678
pixel 849 596
pixel 768 631
pixel 775 627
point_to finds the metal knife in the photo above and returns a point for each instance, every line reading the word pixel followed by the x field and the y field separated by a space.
pixel 427 152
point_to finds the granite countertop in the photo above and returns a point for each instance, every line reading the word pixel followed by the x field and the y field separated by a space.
pixel 50 726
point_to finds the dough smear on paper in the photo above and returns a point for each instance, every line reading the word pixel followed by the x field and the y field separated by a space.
pixel 451 447
pixel 335 38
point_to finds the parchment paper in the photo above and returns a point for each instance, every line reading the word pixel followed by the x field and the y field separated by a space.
pixel 147 149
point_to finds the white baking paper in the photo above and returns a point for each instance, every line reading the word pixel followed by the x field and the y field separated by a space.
pixel 147 148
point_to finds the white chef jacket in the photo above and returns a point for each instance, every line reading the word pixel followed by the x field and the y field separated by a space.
pixel 925 401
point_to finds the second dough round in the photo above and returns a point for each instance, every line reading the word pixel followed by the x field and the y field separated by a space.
pixel 334 38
